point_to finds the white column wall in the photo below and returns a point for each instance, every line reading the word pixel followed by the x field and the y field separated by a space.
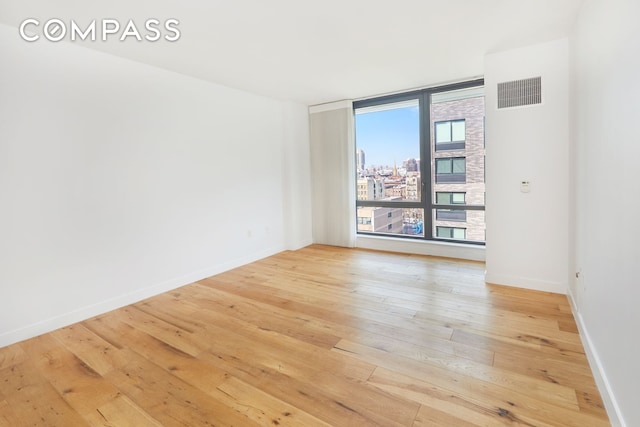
pixel 528 233
pixel 605 66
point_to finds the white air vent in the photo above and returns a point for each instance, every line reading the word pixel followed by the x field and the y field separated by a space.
pixel 520 92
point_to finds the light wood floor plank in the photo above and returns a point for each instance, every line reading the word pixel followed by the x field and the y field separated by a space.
pixel 170 400
pixel 271 411
pixel 33 400
pixel 121 412
pixel 429 417
pixel 323 336
pixel 274 350
pixel 98 354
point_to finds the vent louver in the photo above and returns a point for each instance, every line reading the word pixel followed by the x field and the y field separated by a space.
pixel 520 92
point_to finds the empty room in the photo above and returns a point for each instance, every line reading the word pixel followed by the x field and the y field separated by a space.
pixel 336 213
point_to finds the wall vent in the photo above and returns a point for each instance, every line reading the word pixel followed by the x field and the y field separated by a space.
pixel 520 92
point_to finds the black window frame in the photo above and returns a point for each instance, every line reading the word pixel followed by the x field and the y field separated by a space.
pixel 427 200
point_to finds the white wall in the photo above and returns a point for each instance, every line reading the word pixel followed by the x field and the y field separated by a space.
pixel 119 181
pixel 527 233
pixel 605 67
pixel 296 177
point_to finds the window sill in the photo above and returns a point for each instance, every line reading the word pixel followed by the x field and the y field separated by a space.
pixel 421 247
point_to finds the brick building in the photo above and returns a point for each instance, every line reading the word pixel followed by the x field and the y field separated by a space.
pixel 457 150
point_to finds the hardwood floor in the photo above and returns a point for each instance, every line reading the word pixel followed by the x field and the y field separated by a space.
pixel 317 337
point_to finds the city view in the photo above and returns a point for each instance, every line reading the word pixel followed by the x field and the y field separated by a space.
pixel 389 168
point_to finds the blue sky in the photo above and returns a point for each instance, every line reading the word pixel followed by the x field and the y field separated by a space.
pixel 389 135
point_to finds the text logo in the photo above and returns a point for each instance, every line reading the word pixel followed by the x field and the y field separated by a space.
pixel 55 30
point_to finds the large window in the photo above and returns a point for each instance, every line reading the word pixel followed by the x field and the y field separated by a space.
pixel 420 164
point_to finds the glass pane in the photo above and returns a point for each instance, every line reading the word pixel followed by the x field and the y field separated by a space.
pixel 443 165
pixel 443 132
pixel 388 151
pixel 465 225
pixel 443 198
pixel 397 221
pixel 457 198
pixel 443 232
pixel 458 130
pixel 459 165
pixel 459 233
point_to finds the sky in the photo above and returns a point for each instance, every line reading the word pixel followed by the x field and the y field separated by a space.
pixel 389 135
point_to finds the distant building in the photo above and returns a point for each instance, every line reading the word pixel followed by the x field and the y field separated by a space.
pixel 390 185
pixel 399 191
pixel 380 220
pixel 360 160
pixel 370 189
pixel 414 184
pixel 411 165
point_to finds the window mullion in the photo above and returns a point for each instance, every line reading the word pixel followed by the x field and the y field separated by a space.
pixel 425 164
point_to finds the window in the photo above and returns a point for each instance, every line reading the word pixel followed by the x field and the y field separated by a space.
pixel 450 135
pixel 448 198
pixel 388 138
pixel 410 182
pixel 451 233
pixel 452 169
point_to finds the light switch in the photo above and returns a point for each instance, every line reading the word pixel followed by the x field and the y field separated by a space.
pixel 525 186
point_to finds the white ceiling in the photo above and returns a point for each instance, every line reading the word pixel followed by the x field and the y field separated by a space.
pixel 323 50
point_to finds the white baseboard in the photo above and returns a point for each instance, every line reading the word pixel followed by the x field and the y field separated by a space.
pixel 604 387
pixel 527 283
pixel 299 244
pixel 421 247
pixel 87 312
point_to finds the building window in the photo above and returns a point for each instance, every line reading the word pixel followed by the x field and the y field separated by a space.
pixel 364 221
pixel 450 135
pixel 409 182
pixel 449 198
pixel 451 233
pixel 451 170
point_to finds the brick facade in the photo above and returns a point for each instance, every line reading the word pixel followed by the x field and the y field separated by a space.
pixel 472 111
